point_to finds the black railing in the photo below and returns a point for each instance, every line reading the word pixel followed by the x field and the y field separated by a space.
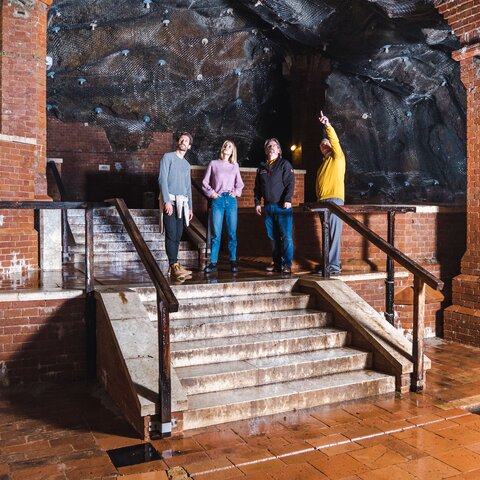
pixel 422 277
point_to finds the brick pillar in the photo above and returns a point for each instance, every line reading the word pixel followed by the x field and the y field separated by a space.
pixel 462 319
pixel 22 126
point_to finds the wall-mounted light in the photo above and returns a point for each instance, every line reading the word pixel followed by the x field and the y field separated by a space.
pixel 387 48
pixel 147 119
pixel 199 77
pixel 125 52
pixel 238 71
pixel 238 102
pixel 204 41
pixel 146 4
pixel 166 23
pixel 51 74
pixel 49 107
pixel 82 80
pixel 98 110
pixel 293 147
pixel 48 62
pixel 55 29
pixel 93 25
pixel 229 11
pixel 162 62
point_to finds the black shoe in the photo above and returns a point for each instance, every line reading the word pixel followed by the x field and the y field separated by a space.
pixel 234 267
pixel 211 267
pixel 273 267
pixel 333 273
pixel 286 269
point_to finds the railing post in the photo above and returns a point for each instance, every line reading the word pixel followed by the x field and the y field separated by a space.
pixel 90 311
pixel 390 281
pixel 64 235
pixel 325 219
pixel 164 379
pixel 419 288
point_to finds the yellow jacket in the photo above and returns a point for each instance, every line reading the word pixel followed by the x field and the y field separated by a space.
pixel 331 174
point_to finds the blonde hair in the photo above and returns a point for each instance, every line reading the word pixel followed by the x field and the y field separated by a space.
pixel 233 155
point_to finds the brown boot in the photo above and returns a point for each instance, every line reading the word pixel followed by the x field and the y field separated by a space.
pixel 183 270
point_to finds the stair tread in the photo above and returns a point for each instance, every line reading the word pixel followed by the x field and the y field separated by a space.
pixel 244 317
pixel 256 338
pixel 242 395
pixel 191 302
pixel 266 362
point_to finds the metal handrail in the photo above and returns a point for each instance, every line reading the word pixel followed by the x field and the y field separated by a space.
pixel 422 277
pixel 166 303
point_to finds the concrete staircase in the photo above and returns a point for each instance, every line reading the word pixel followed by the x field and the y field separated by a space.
pixel 250 348
pixel 112 242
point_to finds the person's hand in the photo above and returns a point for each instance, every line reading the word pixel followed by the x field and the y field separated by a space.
pixel 324 120
pixel 232 194
pixel 215 195
pixel 287 205
pixel 258 209
pixel 168 208
pixel 190 216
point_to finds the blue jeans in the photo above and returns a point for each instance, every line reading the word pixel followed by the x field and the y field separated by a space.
pixel 278 222
pixel 224 205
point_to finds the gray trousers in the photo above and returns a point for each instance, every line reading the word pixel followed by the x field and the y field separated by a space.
pixel 335 236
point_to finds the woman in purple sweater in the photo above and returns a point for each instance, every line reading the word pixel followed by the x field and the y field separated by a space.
pixel 223 184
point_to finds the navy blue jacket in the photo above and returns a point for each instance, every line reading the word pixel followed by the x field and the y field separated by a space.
pixel 274 183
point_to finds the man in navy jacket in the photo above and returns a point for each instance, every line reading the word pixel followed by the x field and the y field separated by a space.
pixel 275 183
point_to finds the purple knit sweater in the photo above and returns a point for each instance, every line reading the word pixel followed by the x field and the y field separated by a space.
pixel 222 176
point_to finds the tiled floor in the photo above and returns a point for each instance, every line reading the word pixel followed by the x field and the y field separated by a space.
pixel 51 432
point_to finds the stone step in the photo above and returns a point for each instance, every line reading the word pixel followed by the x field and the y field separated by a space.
pixel 79 230
pixel 122 236
pixel 238 404
pixel 112 220
pixel 112 211
pixel 234 305
pixel 185 329
pixel 126 246
pixel 160 256
pixel 263 371
pixel 217 350
pixel 225 288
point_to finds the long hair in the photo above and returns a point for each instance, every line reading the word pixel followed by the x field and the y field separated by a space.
pixel 233 156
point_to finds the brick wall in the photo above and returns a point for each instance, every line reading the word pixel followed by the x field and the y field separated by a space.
pixel 42 340
pixel 461 319
pixel 22 128
pixel 84 147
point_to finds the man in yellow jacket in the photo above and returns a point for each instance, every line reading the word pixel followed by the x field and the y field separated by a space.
pixel 330 187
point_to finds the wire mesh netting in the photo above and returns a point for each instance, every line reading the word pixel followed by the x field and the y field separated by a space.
pixel 214 67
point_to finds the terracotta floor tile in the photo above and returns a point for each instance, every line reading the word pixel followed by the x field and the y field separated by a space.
pixel 388 473
pixel 461 458
pixel 240 456
pixel 263 441
pixel 364 411
pixel 473 475
pixel 429 468
pixel 207 465
pixel 339 466
pixel 306 457
pixel 46 472
pixel 328 441
pixel 378 456
pixel 332 417
pixel 146 476
pixel 269 466
pixel 427 441
pixel 290 448
pixel 299 471
pixel 218 439
pixel 345 448
pixel 221 475
pixel 186 459
pixel 146 467
pixel 463 435
pixel 437 426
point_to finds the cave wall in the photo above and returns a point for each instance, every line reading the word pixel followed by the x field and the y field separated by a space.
pixel 247 70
